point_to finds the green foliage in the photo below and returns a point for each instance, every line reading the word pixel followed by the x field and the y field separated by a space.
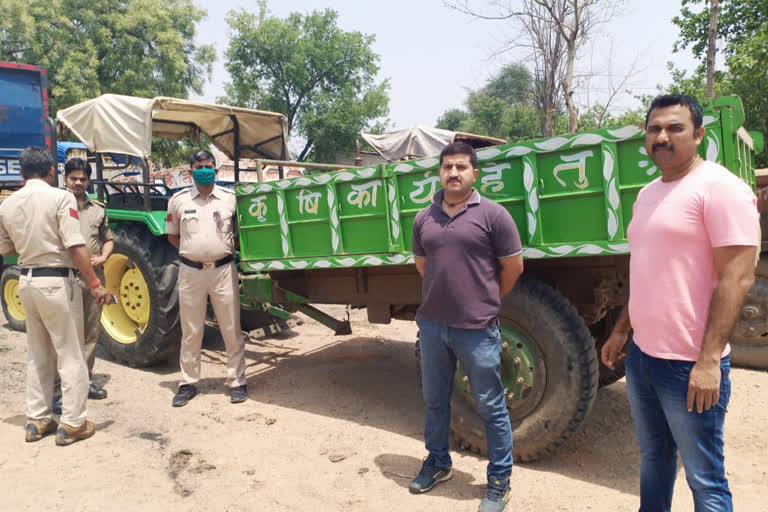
pixel 743 30
pixel 140 48
pixel 90 47
pixel 172 153
pixel 452 119
pixel 305 66
pixel 503 108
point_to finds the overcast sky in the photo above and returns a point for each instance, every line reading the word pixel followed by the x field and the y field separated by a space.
pixel 432 54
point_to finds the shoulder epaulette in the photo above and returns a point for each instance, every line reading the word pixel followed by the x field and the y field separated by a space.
pixel 182 191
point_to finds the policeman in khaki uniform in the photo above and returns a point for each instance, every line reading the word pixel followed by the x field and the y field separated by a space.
pixel 200 224
pixel 94 226
pixel 42 224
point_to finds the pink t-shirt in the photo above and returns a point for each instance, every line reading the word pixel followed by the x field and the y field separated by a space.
pixel 672 275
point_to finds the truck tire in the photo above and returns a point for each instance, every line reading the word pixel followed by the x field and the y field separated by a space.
pixel 12 306
pixel 143 328
pixel 749 341
pixel 535 318
pixel 601 331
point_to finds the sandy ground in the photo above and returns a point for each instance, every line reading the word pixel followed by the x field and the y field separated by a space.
pixel 332 423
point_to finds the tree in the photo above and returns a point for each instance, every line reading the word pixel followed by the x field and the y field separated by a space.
pixel 553 31
pixel 504 107
pixel 712 47
pixel 321 77
pixel 90 47
pixel 743 29
pixel 452 119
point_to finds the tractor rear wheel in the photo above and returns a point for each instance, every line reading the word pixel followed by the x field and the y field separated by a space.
pixel 12 306
pixel 143 328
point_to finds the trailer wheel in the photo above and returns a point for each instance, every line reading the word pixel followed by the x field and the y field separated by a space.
pixel 143 328
pixel 749 341
pixel 549 371
pixel 12 306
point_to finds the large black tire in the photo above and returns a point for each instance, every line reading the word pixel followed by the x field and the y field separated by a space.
pixel 601 331
pixel 12 307
pixel 566 376
pixel 157 335
pixel 749 341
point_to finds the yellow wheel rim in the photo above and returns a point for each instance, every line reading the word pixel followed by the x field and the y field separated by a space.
pixel 127 320
pixel 11 296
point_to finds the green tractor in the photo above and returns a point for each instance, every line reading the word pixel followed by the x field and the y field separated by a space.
pixel 143 327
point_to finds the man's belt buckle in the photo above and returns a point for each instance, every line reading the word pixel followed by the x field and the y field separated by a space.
pixel 209 265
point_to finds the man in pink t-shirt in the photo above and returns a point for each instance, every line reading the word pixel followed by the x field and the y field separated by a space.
pixel 692 238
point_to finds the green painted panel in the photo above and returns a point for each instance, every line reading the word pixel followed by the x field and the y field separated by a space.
pixel 574 219
pixel 569 195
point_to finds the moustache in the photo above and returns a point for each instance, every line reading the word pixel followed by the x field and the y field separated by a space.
pixel 668 147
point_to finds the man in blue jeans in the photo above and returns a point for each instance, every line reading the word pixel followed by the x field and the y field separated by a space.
pixel 692 240
pixel 468 252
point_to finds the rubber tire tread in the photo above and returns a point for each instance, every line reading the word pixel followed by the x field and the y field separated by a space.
pixel 571 380
pixel 158 261
pixel 749 354
pixel 601 331
pixel 11 272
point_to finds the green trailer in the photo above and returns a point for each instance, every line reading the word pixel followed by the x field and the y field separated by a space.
pixel 344 237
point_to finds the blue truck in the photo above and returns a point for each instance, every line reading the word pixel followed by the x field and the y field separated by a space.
pixel 24 121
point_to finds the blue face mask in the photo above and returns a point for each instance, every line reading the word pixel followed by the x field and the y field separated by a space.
pixel 204 176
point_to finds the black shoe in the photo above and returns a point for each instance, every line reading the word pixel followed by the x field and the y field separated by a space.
pixel 95 392
pixel 185 393
pixel 429 476
pixel 56 405
pixel 496 496
pixel 238 394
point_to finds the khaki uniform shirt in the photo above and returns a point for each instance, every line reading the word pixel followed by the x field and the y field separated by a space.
pixel 205 226
pixel 40 222
pixel 94 226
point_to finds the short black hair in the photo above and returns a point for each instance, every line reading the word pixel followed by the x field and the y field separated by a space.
pixel 77 164
pixel 36 162
pixel 668 100
pixel 200 155
pixel 460 148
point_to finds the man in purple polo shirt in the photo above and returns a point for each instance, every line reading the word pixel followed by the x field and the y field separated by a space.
pixel 468 252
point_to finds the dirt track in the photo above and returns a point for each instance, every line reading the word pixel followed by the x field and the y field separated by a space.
pixel 332 423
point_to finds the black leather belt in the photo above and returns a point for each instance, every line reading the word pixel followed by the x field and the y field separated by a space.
pixel 46 271
pixel 209 264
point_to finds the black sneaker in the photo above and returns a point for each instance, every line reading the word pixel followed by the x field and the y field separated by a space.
pixel 185 393
pixel 238 394
pixel 497 495
pixel 429 476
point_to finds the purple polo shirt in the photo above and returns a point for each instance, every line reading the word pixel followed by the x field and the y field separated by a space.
pixel 461 276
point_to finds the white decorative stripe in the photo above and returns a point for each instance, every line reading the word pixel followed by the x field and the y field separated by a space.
pixel 427 162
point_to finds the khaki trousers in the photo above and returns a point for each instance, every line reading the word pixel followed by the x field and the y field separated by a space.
pixel 195 287
pixel 54 310
pixel 92 318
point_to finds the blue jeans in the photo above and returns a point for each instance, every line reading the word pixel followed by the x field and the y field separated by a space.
pixel 658 391
pixel 479 351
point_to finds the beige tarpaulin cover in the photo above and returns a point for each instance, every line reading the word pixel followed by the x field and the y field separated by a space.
pixel 420 141
pixel 124 124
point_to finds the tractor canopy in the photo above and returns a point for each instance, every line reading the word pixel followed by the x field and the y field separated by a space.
pixel 113 123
